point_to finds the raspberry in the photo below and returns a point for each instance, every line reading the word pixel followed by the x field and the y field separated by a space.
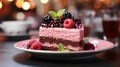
pixel 89 46
pixel 36 46
pixel 68 23
pixel 31 42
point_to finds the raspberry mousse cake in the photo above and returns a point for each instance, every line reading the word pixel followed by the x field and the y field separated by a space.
pixel 61 28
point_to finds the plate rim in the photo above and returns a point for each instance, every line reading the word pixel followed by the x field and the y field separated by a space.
pixel 60 52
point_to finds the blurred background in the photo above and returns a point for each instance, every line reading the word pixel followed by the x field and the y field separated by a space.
pixel 33 10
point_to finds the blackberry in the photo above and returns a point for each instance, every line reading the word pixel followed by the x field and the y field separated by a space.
pixel 51 23
pixel 47 19
pixel 61 25
pixel 56 25
pixel 67 15
pixel 77 21
pixel 73 19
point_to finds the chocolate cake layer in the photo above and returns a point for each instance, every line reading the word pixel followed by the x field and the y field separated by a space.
pixel 57 41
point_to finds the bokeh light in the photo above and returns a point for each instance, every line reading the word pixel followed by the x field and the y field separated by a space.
pixel 10 0
pixel 44 1
pixel 20 16
pixel 19 3
pixel 32 5
pixel 26 5
pixel 1 5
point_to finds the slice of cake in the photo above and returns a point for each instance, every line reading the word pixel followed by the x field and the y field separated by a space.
pixel 61 27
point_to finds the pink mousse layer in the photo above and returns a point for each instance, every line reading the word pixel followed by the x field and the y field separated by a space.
pixel 62 33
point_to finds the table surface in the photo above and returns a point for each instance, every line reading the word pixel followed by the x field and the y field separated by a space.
pixel 12 57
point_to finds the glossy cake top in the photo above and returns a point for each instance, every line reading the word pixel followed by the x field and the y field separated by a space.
pixel 60 19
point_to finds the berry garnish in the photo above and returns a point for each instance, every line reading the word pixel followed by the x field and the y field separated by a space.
pixel 89 46
pixel 67 15
pixel 56 25
pixel 47 19
pixel 36 46
pixel 78 22
pixel 68 23
pixel 61 25
pixel 30 43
